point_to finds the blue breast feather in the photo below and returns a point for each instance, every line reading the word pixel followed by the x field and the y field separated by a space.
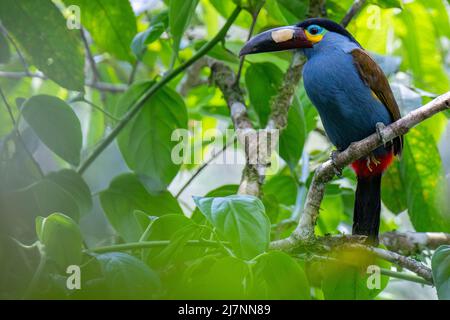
pixel 347 108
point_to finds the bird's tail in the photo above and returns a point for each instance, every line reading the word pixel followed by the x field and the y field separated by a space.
pixel 366 215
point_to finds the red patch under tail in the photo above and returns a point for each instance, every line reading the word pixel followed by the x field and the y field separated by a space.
pixel 365 168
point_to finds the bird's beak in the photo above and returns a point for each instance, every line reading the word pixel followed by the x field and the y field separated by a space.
pixel 278 39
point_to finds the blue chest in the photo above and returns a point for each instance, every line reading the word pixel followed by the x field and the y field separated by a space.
pixel 347 108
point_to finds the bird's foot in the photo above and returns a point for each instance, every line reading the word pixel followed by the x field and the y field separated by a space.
pixel 380 126
pixel 337 170
pixel 372 159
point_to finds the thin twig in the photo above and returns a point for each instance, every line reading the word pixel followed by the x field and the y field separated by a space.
pixel 134 69
pixel 202 167
pixel 90 57
pixel 16 47
pixel 102 110
pixel 352 12
pixel 19 135
pixel 101 86
pixel 250 33
pixel 149 244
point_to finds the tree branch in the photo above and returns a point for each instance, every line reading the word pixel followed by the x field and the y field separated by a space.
pixel 409 243
pixel 352 12
pixel 101 86
pixel 224 78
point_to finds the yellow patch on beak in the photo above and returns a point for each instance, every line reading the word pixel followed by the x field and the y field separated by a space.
pixel 314 38
pixel 282 35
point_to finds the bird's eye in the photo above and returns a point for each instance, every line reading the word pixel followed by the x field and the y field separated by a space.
pixel 314 29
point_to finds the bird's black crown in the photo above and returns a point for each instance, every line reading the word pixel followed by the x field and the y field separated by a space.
pixel 329 25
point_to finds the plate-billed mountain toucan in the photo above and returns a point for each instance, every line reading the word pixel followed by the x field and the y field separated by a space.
pixel 353 98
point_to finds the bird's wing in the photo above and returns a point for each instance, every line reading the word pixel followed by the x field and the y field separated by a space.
pixel 375 79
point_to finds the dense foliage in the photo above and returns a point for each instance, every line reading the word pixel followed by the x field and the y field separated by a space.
pixel 86 152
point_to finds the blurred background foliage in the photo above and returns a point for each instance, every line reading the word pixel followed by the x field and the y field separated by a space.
pixel 58 109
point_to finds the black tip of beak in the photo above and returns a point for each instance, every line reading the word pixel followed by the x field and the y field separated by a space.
pixel 278 39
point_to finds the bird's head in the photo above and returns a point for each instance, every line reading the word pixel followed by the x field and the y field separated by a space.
pixel 305 35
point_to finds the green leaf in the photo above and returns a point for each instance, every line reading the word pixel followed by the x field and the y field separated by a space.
pixel 180 15
pixel 126 277
pixel 222 191
pixel 440 265
pixel 420 39
pixel 144 38
pixel 111 23
pixel 56 125
pixel 283 188
pixel 62 239
pixel 387 3
pixel 423 179
pixel 292 139
pixel 43 198
pixel 212 278
pixel 5 53
pixel 294 10
pixel 178 229
pixel 278 276
pixel 127 194
pixel 263 81
pixel 75 186
pixel 158 25
pixel 40 28
pixel 347 277
pixel 392 192
pixel 239 219
pixel 146 142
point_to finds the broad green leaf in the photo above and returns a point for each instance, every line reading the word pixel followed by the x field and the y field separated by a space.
pixel 56 124
pixel 263 81
pixel 43 198
pixel 180 15
pixel 146 142
pixel 294 10
pixel 126 277
pixel 144 38
pixel 75 186
pixel 239 219
pixel 292 139
pixel 127 194
pixel 223 191
pixel 387 3
pixel 440 265
pixel 62 239
pixel 392 192
pixel 283 188
pixel 331 214
pixel 423 179
pixel 5 53
pixel 111 23
pixel 39 27
pixel 178 229
pixel 158 25
pixel 212 278
pixel 278 276
pixel 350 276
pixel 420 40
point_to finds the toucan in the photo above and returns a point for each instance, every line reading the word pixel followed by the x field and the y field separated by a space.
pixel 353 99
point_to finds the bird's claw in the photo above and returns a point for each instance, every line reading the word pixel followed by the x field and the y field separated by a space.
pixel 380 126
pixel 337 170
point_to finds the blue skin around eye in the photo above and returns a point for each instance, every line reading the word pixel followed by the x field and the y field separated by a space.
pixel 348 110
